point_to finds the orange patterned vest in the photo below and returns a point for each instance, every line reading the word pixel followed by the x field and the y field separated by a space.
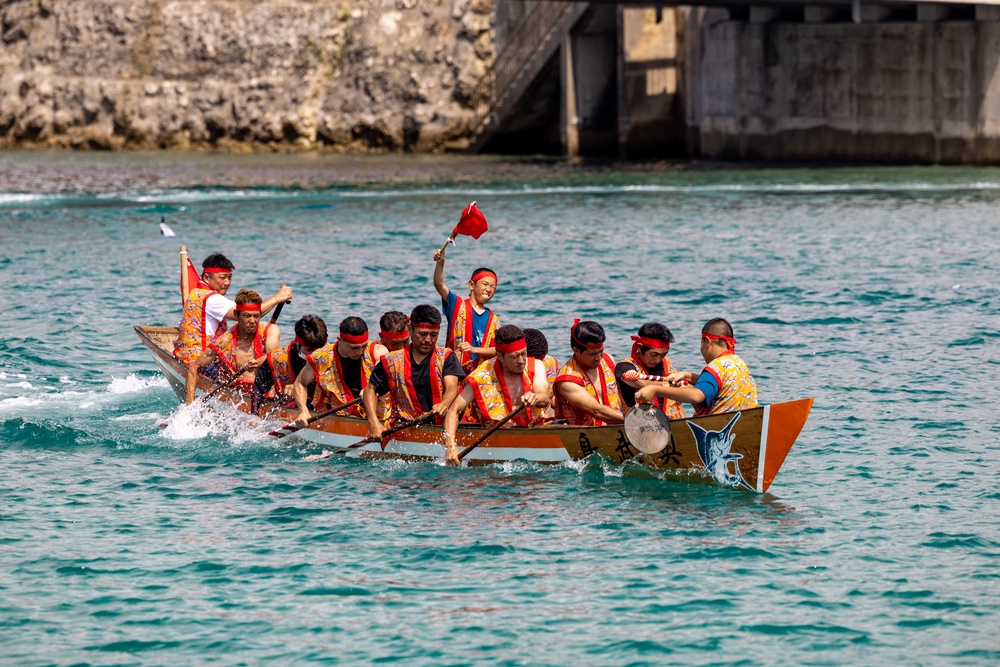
pixel 671 408
pixel 281 368
pixel 331 390
pixel 607 393
pixel 192 340
pixel 737 388
pixel 225 347
pixel 460 330
pixel 399 373
pixel 492 396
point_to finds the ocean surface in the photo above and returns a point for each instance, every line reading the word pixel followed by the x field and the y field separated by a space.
pixel 875 291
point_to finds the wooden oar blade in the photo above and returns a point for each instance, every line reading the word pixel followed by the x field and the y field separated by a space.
pixel 647 428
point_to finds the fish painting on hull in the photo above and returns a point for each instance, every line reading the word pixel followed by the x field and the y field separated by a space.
pixel 714 448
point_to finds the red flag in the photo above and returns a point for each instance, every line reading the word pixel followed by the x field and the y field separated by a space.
pixel 472 223
pixel 194 280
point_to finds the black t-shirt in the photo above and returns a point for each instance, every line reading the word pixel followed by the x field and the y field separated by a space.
pixel 352 373
pixel 421 376
pixel 628 392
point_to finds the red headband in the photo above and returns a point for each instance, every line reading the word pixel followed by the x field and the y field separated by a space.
pixel 730 342
pixel 485 274
pixel 394 335
pixel 248 307
pixel 354 340
pixel 652 342
pixel 427 326
pixel 516 346
pixel 214 269
pixel 572 336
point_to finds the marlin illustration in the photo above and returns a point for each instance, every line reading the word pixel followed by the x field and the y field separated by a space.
pixel 714 450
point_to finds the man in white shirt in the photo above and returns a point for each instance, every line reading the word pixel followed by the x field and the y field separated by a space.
pixel 207 309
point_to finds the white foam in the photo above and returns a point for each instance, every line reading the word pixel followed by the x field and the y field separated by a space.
pixel 142 416
pixel 134 384
pixel 20 402
pixel 199 420
pixel 22 385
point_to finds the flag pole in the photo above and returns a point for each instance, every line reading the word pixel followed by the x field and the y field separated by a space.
pixel 184 275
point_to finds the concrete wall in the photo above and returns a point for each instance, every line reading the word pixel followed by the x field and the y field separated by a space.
pixel 906 92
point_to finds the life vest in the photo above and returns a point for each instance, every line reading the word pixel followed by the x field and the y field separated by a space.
pixel 192 339
pixel 606 394
pixel 225 348
pixel 671 408
pixel 551 371
pixel 492 396
pixel 399 373
pixel 331 389
pixel 282 371
pixel 460 331
pixel 737 388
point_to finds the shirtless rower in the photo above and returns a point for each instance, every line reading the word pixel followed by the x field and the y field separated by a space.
pixel 340 370
pixel 586 390
pixel 394 334
pixel 498 386
pixel 471 325
pixel 284 364
pixel 421 377
pixel 649 357
pixel 241 346
pixel 207 309
pixel 724 385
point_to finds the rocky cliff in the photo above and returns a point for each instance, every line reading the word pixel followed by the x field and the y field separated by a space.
pixel 347 75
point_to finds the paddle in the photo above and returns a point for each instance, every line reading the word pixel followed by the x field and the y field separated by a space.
pixel 292 428
pixel 493 429
pixel 222 385
pixel 633 376
pixel 427 416
pixel 471 223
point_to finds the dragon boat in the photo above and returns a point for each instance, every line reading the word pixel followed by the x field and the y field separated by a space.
pixel 741 449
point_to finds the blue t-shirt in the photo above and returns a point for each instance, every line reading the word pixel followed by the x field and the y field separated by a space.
pixel 707 384
pixel 479 320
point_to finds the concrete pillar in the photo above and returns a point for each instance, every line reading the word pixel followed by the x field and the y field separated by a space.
pixel 927 13
pixel 987 13
pixel 818 14
pixel 569 125
pixel 623 120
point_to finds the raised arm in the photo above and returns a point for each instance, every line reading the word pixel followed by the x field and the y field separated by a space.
pixel 282 295
pixel 439 274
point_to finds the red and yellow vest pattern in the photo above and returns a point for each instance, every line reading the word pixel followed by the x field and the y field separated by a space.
pixel 737 388
pixel 606 394
pixel 282 371
pixel 331 390
pixel 192 339
pixel 492 396
pixel 399 373
pixel 460 330
pixel 671 408
pixel 225 347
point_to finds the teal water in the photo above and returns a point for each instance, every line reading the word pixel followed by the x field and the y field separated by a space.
pixel 874 291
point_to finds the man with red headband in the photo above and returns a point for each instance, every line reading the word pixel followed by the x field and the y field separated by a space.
pixel 242 346
pixel 472 327
pixel 649 357
pixel 394 332
pixel 421 377
pixel 586 389
pixel 725 384
pixel 340 370
pixel 498 386
pixel 206 309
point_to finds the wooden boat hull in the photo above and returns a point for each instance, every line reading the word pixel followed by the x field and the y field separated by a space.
pixel 758 440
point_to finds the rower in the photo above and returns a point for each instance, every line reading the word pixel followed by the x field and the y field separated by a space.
pixel 724 385
pixel 471 325
pixel 394 333
pixel 649 357
pixel 538 348
pixel 497 386
pixel 206 309
pixel 241 346
pixel 340 370
pixel 586 390
pixel 421 377
pixel 284 364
